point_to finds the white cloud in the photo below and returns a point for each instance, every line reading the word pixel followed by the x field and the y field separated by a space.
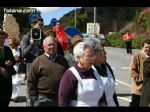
pixel 46 9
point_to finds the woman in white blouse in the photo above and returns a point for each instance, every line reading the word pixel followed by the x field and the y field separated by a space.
pixel 14 45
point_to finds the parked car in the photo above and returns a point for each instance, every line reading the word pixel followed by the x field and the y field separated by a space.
pixel 85 35
pixel 100 37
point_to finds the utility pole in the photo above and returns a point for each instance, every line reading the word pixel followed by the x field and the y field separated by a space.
pixel 75 18
pixel 94 19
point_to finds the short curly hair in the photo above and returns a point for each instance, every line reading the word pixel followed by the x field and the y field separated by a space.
pixel 79 49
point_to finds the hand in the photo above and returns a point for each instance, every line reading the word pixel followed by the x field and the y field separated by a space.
pixel 8 63
pixel 31 41
pixel 3 72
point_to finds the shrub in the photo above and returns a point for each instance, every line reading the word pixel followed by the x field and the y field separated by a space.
pixel 115 40
pixel 136 43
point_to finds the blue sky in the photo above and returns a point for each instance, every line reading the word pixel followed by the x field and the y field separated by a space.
pixel 48 13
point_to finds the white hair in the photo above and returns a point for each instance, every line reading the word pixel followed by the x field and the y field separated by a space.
pixel 46 40
pixel 79 49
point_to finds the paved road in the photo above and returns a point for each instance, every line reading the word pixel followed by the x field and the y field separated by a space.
pixel 119 61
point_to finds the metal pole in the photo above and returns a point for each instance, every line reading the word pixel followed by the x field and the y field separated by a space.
pixel 75 18
pixel 94 19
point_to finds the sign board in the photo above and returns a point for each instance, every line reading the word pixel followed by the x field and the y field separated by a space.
pixel 93 28
pixel 72 31
pixel 53 22
pixel 33 16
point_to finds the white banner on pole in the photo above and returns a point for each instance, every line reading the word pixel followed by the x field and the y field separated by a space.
pixel 93 28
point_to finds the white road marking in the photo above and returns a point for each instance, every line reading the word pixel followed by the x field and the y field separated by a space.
pixel 112 68
pixel 125 68
pixel 116 83
pixel 122 98
pixel 123 83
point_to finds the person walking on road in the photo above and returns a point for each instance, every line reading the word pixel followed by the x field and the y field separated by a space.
pixel 136 72
pixel 127 37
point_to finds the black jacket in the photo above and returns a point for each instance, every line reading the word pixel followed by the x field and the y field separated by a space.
pixel 8 56
pixel 6 80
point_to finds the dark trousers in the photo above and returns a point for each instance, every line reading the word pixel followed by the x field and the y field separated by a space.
pixel 135 101
pixel 128 46
pixel 5 92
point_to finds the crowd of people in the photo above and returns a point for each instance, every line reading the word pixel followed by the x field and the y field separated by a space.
pixel 71 73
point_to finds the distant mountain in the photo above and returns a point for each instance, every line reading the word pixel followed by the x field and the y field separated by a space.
pixel 111 19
